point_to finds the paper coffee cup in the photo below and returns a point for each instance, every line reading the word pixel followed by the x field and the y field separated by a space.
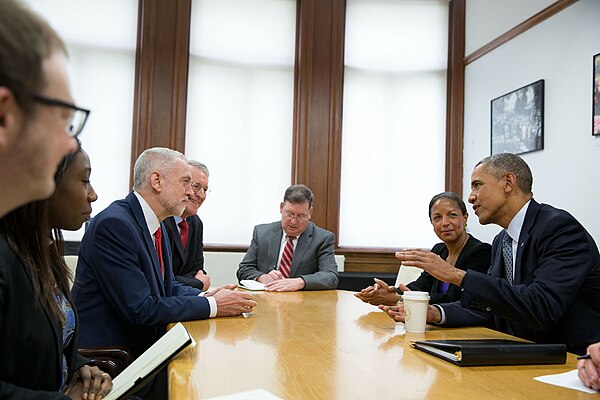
pixel 415 310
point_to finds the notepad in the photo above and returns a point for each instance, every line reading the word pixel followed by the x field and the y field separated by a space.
pixel 568 380
pixel 146 366
pixel 257 394
pixel 493 352
pixel 251 285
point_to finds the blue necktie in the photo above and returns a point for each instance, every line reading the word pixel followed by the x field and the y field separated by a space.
pixel 443 288
pixel 508 258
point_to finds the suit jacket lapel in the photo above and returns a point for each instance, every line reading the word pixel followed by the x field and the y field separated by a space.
pixel 168 266
pixel 274 245
pixel 301 246
pixel 56 330
pixel 178 244
pixel 188 247
pixel 530 215
pixel 497 259
pixel 138 215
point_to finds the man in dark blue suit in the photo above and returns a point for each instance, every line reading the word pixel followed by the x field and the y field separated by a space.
pixel 552 295
pixel 188 257
pixel 124 293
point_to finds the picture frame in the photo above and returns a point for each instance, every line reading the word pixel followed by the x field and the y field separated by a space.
pixel 517 120
pixel 596 95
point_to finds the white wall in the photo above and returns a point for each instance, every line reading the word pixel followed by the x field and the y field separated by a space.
pixel 560 51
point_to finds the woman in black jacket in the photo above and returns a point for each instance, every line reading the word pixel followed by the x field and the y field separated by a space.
pixel 38 324
pixel 448 216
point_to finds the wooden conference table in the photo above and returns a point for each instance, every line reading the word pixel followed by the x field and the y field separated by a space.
pixel 330 345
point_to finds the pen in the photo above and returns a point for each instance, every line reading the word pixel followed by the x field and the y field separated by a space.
pixel 584 357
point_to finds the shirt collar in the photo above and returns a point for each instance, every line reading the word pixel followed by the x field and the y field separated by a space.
pixel 151 219
pixel 515 226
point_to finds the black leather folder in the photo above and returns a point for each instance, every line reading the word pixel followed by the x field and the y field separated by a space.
pixel 469 353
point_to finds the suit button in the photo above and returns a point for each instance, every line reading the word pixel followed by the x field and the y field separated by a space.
pixel 488 309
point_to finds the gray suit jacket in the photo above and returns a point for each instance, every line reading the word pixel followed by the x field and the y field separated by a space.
pixel 313 258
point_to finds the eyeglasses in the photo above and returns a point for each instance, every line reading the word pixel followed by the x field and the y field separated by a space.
pixel 76 121
pixel 299 218
pixel 196 187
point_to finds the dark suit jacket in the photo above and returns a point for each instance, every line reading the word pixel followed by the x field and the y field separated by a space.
pixel 555 297
pixel 476 255
pixel 313 258
pixel 31 345
pixel 186 263
pixel 119 292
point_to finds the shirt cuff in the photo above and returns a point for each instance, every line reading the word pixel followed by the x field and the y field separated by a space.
pixel 213 306
pixel 212 303
pixel 441 309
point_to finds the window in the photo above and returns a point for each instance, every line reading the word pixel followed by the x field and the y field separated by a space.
pixel 102 69
pixel 239 111
pixel 393 147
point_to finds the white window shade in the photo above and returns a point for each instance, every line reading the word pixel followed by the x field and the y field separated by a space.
pixel 101 41
pixel 239 115
pixel 393 146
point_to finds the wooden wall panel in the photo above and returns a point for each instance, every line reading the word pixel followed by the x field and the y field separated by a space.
pixel 161 75
pixel 317 105
pixel 379 260
pixel 455 93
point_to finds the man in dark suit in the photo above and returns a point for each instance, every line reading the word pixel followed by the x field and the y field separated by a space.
pixel 185 233
pixel 552 295
pixel 294 253
pixel 124 292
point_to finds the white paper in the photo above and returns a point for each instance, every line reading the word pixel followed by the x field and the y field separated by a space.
pixel 251 285
pixel 568 380
pixel 257 394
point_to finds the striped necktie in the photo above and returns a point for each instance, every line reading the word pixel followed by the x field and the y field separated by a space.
pixel 285 265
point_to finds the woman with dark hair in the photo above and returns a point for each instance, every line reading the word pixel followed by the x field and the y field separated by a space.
pixel 38 324
pixel 448 216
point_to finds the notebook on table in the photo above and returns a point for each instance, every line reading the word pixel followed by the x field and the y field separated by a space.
pixel 467 353
pixel 146 366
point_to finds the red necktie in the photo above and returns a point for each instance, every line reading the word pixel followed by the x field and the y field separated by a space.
pixel 158 243
pixel 285 265
pixel 183 232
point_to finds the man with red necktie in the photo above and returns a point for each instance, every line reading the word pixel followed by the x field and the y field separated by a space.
pixel 186 233
pixel 291 254
pixel 125 294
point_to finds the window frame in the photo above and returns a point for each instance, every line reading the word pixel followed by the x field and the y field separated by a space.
pixel 162 59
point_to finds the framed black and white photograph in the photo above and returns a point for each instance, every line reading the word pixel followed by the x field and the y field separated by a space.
pixel 596 96
pixel 517 120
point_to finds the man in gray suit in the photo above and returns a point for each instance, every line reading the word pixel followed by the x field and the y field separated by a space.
pixel 293 254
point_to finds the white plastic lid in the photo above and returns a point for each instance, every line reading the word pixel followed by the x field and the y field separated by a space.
pixel 414 295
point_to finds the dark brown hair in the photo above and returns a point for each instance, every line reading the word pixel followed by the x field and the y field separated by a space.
pixel 298 194
pixel 450 196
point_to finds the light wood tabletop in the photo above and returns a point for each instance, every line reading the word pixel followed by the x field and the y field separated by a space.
pixel 330 345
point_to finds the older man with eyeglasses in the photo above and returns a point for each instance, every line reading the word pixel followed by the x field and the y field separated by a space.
pixel 186 233
pixel 291 254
